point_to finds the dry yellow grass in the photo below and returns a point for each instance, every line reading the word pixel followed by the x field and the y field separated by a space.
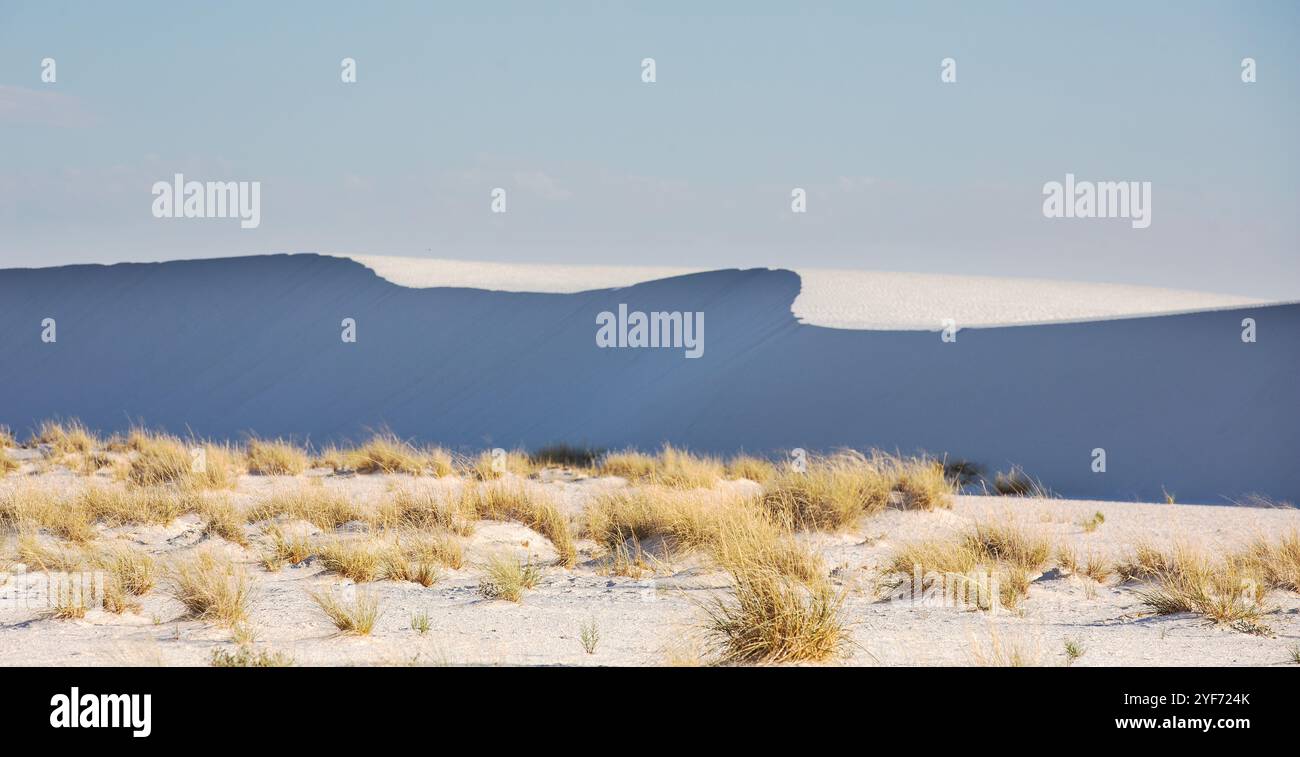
pixel 211 587
pixel 355 616
pixel 921 484
pixel 7 463
pixel 29 508
pixel 681 469
pixel 755 469
pixel 275 457
pixel 678 519
pixel 1003 554
pixel 286 548
pixel 773 617
pixel 832 494
pixel 66 437
pixel 149 505
pixel 50 557
pixel 567 455
pixel 488 467
pixel 386 453
pixel 361 560
pixel 508 577
pixel 532 508
pixel 223 519
pixel 1000 651
pixel 411 508
pixel 1278 561
pixel 440 548
pixel 314 503
pixel 628 464
pixel 7 438
pixel 1230 591
pixel 128 569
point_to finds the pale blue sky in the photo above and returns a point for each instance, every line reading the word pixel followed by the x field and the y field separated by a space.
pixel 844 99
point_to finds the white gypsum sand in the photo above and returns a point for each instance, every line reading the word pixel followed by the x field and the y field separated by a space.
pixel 657 618
pixel 849 299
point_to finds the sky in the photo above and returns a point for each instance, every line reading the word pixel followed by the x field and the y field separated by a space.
pixel 902 171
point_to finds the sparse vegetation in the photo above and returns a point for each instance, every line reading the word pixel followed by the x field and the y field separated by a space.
pixel 757 469
pixel 421 509
pixel 1000 652
pixel 386 453
pixel 322 507
pixel 420 622
pixel 1226 591
pixel 245 656
pixel 223 519
pixel 1004 552
pixel 589 635
pixel 355 616
pixel 508 577
pixel 1093 522
pixel 772 617
pixel 1074 649
pixel 211 587
pixel 566 455
pixel 832 494
pixel 275 458
pixel 514 501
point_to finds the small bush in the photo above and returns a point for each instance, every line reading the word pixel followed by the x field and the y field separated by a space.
pixel 356 616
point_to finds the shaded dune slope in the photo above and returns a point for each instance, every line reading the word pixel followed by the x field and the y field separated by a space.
pixel 226 347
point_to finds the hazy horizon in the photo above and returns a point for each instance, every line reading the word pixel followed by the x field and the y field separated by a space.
pixel 902 171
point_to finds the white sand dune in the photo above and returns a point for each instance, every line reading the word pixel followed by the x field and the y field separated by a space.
pixel 844 299
pixel 227 347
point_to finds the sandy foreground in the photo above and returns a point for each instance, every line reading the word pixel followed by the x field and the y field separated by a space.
pixel 658 619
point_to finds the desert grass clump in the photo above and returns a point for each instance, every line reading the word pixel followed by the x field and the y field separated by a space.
pixel 152 505
pixel 360 560
pixel 313 503
pixel 971 565
pixel 516 502
pixel 677 519
pixel 757 469
pixel 69 597
pixel 386 453
pixel 682 469
pixel 211 587
pixel 1002 541
pixel 275 457
pixel 567 455
pixel 830 495
pixel 422 509
pixel 355 616
pixel 420 622
pixel 1225 591
pixel 50 557
pixel 628 464
pixel 772 617
pixel 29 508
pixel 1017 483
pixel 158 459
pixel 286 548
pixel 922 484
pixel 589 636
pixel 221 518
pixel 66 437
pixel 747 536
pixel 439 548
pixel 246 656
pixel 1278 561
pixel 131 569
pixel 7 463
pixel 490 465
pixel 508 577
pixel 1004 652
pixel 7 438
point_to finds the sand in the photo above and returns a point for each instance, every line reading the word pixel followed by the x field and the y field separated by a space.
pixel 657 620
